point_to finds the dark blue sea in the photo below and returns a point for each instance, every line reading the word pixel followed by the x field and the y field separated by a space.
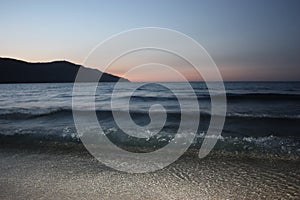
pixel 262 117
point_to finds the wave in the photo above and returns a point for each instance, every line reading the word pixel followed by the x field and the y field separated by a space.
pixel 152 98
pixel 21 113
pixel 262 116
pixel 230 96
pixel 284 146
pixel 263 96
pixel 18 114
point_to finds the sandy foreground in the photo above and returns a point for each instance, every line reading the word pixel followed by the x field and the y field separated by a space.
pixel 64 174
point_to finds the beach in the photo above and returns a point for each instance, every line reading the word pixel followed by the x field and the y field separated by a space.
pixel 70 172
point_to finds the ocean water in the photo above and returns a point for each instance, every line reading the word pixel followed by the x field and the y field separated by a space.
pixel 262 117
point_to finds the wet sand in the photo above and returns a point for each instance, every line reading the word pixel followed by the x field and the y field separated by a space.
pixel 28 173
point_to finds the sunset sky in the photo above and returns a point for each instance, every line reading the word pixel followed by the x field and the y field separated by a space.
pixel 248 40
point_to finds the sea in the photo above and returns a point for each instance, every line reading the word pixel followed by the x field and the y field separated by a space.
pixel 262 117
pixel 257 154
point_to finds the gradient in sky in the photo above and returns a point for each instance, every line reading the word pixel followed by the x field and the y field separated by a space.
pixel 248 40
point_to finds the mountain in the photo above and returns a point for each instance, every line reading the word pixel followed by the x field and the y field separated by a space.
pixel 17 71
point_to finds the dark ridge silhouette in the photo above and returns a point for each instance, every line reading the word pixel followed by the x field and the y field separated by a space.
pixel 17 71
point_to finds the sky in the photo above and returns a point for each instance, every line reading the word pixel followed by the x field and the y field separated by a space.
pixel 248 40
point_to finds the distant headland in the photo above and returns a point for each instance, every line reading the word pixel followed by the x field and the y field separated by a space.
pixel 18 71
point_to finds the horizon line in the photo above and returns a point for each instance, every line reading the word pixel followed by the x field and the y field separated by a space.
pixel 64 60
